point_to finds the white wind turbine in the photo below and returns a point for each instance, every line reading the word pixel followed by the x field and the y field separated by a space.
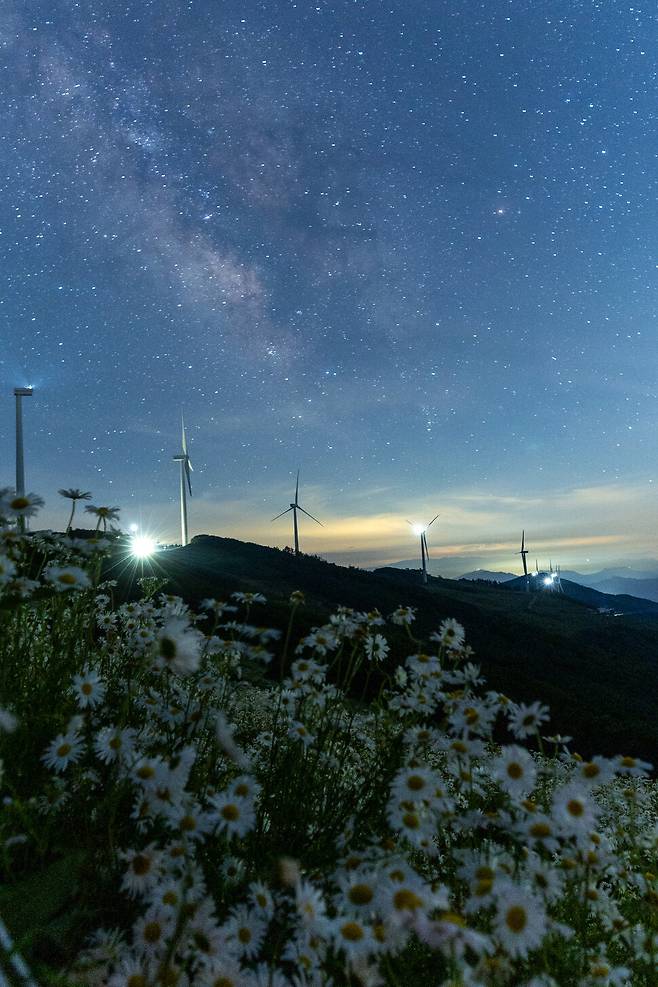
pixel 294 508
pixel 421 531
pixel 185 483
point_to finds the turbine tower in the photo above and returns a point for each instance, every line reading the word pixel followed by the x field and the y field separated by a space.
pixel 19 394
pixel 294 508
pixel 421 531
pixel 185 483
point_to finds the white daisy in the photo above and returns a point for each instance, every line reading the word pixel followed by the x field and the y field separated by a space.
pixel 23 505
pixel 65 749
pixel 7 569
pixel 8 722
pixel 298 731
pixel 403 616
pixel 525 721
pixel 574 810
pixel 598 771
pixel 520 923
pixel 65 578
pixel 515 770
pixel 451 634
pixel 311 907
pixel 245 930
pixel 112 744
pixel 143 870
pixel 376 647
pixel 89 689
pixel 178 646
pixel 352 936
pixel 152 931
pixel 232 815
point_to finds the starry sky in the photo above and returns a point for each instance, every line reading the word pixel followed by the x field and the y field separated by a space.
pixel 407 247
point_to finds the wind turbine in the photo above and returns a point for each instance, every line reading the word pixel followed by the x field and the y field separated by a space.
pixel 421 531
pixel 19 394
pixel 558 579
pixel 294 508
pixel 185 483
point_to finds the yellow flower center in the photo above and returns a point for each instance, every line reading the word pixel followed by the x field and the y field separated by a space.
pixel 415 783
pixel 514 770
pixel 575 808
pixel 360 894
pixel 141 865
pixel 352 931
pixel 516 918
pixel 152 931
pixel 406 900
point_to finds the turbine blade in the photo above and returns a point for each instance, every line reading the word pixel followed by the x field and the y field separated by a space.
pixel 287 511
pixel 432 521
pixel 297 489
pixel 188 467
pixel 184 440
pixel 309 515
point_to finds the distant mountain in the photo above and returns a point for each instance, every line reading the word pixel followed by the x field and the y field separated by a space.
pixel 647 588
pixel 489 576
pixel 594 598
pixel 450 566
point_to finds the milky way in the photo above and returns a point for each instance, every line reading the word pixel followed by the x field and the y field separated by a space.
pixel 408 247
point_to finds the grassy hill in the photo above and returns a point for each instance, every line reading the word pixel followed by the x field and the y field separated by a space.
pixel 598 673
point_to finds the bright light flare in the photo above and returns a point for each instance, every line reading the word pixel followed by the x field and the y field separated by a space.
pixel 548 581
pixel 418 529
pixel 141 546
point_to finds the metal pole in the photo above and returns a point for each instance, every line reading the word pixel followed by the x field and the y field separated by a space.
pixel 20 465
pixel 20 393
pixel 422 557
pixel 294 521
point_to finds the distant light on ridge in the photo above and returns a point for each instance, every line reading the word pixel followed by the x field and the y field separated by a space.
pixel 141 546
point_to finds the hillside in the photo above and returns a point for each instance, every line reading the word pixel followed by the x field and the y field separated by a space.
pixel 620 603
pixel 598 673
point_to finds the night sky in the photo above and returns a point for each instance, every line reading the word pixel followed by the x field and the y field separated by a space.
pixel 408 247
